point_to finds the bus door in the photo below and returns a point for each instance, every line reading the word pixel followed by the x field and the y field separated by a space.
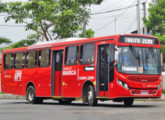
pixel 105 68
pixel 57 64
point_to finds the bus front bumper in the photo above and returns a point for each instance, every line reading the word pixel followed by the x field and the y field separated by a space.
pixel 136 93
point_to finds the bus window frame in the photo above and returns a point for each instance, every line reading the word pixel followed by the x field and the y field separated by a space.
pixel 38 54
pixel 80 53
pixel 25 53
pixel 36 59
pixel 4 55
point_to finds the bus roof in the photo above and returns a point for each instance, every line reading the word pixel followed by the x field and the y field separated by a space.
pixel 68 41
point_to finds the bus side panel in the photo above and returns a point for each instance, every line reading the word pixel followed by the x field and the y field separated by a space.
pixel 30 75
pixel 43 83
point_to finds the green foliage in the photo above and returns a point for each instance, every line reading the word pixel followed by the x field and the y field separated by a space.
pixel 156 20
pixel 51 19
pixel 161 38
pixel 89 33
pixel 4 40
pixel 2 93
pixel 22 43
pixel 89 2
pixel 31 39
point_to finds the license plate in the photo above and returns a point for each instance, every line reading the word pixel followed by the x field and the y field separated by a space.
pixel 144 92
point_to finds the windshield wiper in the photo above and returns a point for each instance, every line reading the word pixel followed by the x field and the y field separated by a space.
pixel 135 53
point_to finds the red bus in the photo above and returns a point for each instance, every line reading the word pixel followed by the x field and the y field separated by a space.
pixel 119 68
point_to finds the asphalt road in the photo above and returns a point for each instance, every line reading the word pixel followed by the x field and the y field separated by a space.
pixel 51 110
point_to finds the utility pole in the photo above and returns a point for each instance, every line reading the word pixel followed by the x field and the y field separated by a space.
pixel 84 27
pixel 145 16
pixel 115 18
pixel 138 17
pixel 115 25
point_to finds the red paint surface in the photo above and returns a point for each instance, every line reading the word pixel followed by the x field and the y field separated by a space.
pixel 72 87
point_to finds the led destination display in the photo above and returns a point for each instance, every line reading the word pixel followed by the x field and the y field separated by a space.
pixel 138 40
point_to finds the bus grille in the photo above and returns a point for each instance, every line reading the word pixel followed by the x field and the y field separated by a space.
pixel 143 79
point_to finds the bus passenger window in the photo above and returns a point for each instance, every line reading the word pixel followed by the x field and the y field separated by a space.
pixel 87 54
pixel 19 60
pixel 31 59
pixel 44 58
pixel 71 55
pixel 8 61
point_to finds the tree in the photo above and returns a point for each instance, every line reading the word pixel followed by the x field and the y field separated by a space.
pixel 4 40
pixel 161 38
pixel 89 33
pixel 31 39
pixel 156 19
pixel 51 19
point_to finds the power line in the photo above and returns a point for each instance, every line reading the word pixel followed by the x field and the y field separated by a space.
pixel 132 25
pixel 104 25
pixel 112 10
pixel 115 19
pixel 114 6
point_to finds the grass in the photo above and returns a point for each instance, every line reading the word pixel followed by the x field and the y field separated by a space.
pixel 163 92
pixel 2 93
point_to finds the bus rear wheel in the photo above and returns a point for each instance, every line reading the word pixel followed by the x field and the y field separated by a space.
pixel 91 98
pixel 31 96
pixel 128 102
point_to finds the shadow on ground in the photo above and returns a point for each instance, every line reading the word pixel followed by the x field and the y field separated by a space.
pixel 120 105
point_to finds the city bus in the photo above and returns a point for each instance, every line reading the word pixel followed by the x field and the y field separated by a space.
pixel 118 67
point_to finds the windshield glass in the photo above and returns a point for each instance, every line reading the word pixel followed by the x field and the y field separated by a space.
pixel 139 60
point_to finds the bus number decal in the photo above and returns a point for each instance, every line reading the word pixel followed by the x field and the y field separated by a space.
pixel 18 75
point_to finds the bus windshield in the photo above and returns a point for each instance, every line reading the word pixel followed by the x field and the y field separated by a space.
pixel 139 60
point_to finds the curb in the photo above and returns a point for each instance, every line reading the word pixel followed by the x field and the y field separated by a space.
pixel 10 96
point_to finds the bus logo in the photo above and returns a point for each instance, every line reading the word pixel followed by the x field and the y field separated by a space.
pixel 18 75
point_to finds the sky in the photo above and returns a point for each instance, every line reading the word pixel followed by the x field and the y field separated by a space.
pixel 120 22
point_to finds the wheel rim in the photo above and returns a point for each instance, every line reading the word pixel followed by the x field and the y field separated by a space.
pixel 31 95
pixel 90 95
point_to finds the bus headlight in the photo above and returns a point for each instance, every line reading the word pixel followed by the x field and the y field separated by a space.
pixel 159 86
pixel 123 84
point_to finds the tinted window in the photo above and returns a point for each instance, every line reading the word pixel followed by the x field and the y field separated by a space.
pixel 44 58
pixel 8 61
pixel 59 60
pixel 19 60
pixel 31 59
pixel 71 55
pixel 87 54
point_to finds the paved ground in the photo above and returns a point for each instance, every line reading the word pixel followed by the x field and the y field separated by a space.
pixel 51 110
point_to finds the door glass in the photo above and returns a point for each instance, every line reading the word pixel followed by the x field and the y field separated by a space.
pixel 59 60
pixel 106 64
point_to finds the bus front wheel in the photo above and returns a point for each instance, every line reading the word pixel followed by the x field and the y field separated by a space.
pixel 91 98
pixel 31 96
pixel 128 102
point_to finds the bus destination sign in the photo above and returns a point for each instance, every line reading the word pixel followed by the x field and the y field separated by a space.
pixel 138 40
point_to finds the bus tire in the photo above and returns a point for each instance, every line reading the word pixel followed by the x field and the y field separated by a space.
pixel 91 97
pixel 128 102
pixel 31 96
